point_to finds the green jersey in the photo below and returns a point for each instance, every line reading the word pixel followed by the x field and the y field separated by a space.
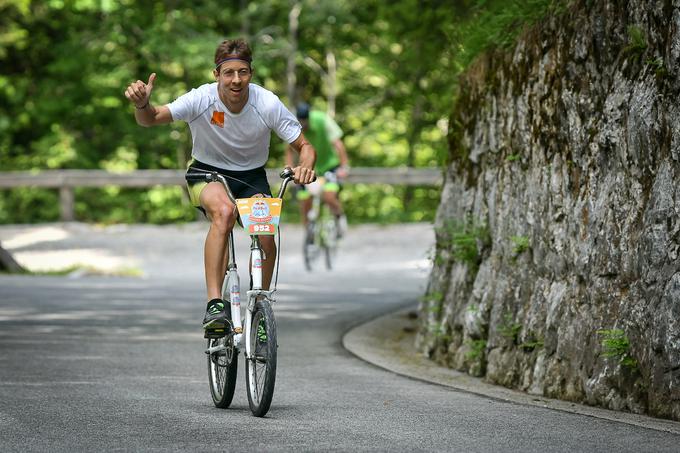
pixel 321 133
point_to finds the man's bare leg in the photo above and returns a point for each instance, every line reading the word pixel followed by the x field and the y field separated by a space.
pixel 305 207
pixel 333 202
pixel 269 249
pixel 222 217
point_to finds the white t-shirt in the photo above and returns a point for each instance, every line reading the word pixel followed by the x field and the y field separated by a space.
pixel 234 141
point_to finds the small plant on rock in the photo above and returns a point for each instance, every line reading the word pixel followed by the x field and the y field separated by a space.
pixel 465 239
pixel 510 329
pixel 616 344
pixel 476 350
pixel 439 333
pixel 658 66
pixel 520 244
pixel 530 345
pixel 637 44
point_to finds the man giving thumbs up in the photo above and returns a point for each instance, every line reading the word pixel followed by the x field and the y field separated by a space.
pixel 231 121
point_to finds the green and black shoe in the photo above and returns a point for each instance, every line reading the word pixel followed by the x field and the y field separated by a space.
pixel 215 315
pixel 261 343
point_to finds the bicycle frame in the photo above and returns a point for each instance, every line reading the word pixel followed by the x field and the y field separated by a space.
pixel 258 216
pixel 231 274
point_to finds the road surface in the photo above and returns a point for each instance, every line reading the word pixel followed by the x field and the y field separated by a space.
pixel 99 362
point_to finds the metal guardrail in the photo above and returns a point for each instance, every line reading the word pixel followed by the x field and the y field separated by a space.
pixel 67 180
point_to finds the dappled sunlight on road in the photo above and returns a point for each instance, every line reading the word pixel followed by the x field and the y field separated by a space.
pixel 421 265
pixel 375 267
pixel 291 310
pixel 57 260
pixel 316 288
pixel 176 251
pixel 142 316
pixel 33 236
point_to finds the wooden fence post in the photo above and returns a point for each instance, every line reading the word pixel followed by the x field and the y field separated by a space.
pixel 67 203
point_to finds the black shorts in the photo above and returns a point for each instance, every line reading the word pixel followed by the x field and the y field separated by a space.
pixel 242 183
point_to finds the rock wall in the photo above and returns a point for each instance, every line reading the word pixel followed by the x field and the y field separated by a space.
pixel 556 267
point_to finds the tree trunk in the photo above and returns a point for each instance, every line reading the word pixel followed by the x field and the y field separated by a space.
pixel 330 82
pixel 293 17
pixel 412 138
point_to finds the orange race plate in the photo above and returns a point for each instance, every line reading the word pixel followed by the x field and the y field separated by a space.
pixel 259 215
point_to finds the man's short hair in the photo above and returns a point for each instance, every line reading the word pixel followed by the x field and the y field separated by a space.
pixel 233 49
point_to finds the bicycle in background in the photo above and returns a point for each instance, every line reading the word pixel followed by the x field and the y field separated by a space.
pixel 256 328
pixel 321 233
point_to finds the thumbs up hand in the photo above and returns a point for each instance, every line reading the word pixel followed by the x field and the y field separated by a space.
pixel 139 92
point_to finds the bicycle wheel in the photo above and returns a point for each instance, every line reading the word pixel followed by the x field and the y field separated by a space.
pixel 329 242
pixel 309 246
pixel 222 367
pixel 261 365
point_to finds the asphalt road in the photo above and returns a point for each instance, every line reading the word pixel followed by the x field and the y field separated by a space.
pixel 90 362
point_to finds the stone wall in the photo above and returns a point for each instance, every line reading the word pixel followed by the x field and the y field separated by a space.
pixel 556 268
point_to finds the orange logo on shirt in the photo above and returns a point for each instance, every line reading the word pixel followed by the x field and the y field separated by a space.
pixel 217 119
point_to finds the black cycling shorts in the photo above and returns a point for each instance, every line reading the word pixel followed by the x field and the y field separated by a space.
pixel 242 183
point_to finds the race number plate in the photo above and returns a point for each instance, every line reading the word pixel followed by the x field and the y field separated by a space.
pixel 259 215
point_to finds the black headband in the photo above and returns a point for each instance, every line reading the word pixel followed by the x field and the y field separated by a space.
pixel 233 57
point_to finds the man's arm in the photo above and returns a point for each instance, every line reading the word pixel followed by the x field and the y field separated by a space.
pixel 342 152
pixel 152 115
pixel 290 156
pixel 304 172
pixel 146 114
pixel 344 160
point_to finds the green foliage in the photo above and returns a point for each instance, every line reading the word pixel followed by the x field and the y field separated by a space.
pixel 520 244
pixel 65 65
pixel 25 205
pixel 434 301
pixel 435 309
pixel 616 344
pixel 120 205
pixel 497 23
pixel 530 345
pixel 476 349
pixel 379 203
pixel 658 65
pixel 439 332
pixel 509 328
pixel 513 157
pixel 434 297
pixel 637 43
pixel 464 240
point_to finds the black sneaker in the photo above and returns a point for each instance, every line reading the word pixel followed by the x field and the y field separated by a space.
pixel 215 315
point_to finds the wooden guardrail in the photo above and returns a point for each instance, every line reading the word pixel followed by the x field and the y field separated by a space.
pixel 67 180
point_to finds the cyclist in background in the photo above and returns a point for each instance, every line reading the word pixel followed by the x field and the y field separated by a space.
pixel 331 161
